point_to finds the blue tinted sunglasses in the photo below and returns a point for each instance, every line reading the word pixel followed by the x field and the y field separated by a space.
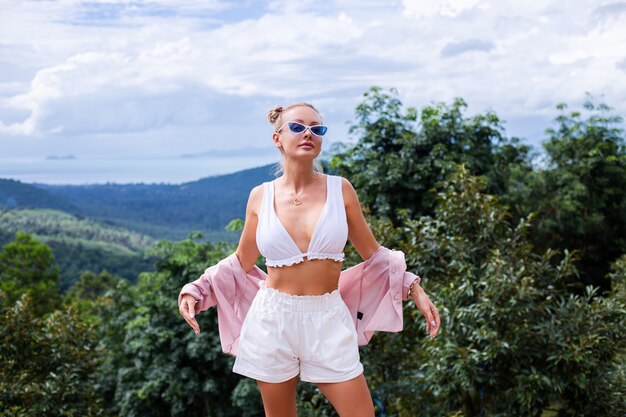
pixel 297 128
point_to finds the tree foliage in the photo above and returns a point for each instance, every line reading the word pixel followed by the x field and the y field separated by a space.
pixel 401 154
pixel 578 193
pixel 157 365
pixel 514 341
pixel 79 244
pixel 49 363
pixel 27 266
pixel 498 244
pixel 580 196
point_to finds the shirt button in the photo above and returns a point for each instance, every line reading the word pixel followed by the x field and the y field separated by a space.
pixel 396 297
pixel 393 269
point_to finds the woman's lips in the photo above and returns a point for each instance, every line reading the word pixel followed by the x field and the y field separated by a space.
pixel 306 146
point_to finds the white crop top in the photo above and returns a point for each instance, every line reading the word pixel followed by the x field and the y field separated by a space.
pixel 329 236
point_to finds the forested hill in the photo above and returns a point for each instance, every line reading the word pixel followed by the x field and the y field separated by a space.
pixel 168 211
pixel 80 244
pixel 16 194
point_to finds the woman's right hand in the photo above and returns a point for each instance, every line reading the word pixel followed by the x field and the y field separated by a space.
pixel 187 309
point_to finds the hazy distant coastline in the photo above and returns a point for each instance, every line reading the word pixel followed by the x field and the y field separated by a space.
pixel 230 153
pixel 102 170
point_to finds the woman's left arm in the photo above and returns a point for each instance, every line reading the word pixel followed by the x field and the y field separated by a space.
pixel 365 244
pixel 359 232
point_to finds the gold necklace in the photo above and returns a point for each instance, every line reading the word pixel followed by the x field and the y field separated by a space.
pixel 296 200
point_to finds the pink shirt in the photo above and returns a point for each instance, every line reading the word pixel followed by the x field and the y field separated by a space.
pixel 373 290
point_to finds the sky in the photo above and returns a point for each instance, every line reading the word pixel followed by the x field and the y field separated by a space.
pixel 162 78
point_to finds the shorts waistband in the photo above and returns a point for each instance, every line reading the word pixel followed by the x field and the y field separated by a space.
pixel 294 302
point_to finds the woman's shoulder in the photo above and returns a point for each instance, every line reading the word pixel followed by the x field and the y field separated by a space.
pixel 257 189
pixel 345 183
pixel 349 193
pixel 255 198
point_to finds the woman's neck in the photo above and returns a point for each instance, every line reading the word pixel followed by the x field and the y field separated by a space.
pixel 298 176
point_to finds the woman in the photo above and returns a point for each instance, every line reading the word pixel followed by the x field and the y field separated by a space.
pixel 297 324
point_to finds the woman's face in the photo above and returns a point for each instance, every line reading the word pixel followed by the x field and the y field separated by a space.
pixel 294 144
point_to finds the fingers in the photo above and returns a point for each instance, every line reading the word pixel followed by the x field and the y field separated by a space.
pixel 430 320
pixel 194 325
pixel 187 310
pixel 192 309
pixel 430 312
pixel 434 321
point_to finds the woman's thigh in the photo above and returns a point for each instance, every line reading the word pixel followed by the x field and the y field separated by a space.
pixel 350 398
pixel 279 399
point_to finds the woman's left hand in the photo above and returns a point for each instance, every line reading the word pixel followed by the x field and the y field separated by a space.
pixel 428 309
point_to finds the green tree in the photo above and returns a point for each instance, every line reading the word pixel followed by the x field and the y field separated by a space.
pixel 401 154
pixel 580 197
pixel 91 286
pixel 92 295
pixel 156 365
pixel 27 266
pixel 48 363
pixel 513 341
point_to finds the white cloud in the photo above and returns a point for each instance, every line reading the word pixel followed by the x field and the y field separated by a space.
pixel 98 80
pixel 290 6
pixel 165 66
pixel 425 9
pixel 245 58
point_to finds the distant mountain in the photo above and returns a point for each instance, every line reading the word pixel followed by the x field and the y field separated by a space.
pixel 163 211
pixel 108 226
pixel 61 157
pixel 14 194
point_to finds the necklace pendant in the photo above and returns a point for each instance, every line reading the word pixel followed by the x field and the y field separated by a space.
pixel 297 202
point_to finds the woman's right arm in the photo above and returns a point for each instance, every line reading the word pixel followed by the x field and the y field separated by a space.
pixel 247 251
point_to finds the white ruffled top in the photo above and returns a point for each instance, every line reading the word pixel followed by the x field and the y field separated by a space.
pixel 329 236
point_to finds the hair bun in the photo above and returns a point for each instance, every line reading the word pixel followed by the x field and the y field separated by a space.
pixel 274 113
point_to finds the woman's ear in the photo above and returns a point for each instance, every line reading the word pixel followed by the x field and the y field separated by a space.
pixel 275 139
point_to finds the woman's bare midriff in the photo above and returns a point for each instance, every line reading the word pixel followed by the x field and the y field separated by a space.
pixel 310 277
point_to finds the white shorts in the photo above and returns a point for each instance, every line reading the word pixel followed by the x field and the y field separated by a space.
pixel 284 335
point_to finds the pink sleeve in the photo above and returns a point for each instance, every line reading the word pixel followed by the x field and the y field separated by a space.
pixel 201 291
pixel 407 280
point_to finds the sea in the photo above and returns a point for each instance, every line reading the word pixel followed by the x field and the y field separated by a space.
pixel 126 170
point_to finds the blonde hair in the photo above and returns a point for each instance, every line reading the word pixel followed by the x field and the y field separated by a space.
pixel 275 117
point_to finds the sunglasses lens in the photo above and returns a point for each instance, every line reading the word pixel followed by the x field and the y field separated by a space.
pixel 296 127
pixel 319 130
